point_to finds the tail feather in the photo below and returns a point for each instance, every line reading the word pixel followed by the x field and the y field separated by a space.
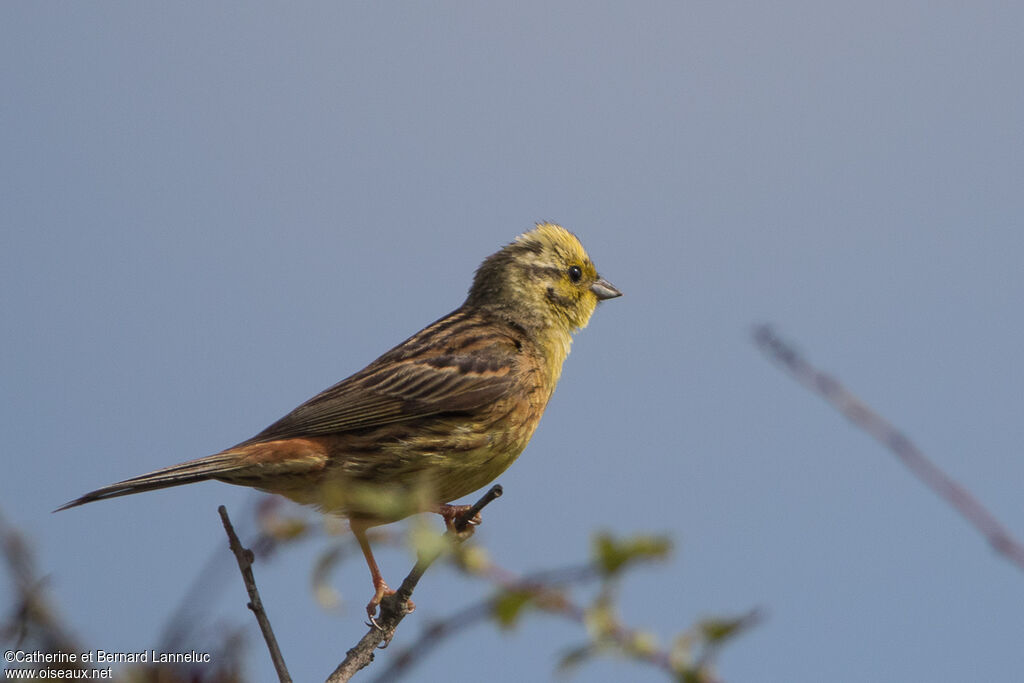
pixel 201 469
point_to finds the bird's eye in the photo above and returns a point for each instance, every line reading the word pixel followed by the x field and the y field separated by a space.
pixel 575 273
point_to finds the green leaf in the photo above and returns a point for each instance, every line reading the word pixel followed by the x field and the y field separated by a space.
pixel 472 559
pixel 719 629
pixel 643 644
pixel 613 555
pixel 427 541
pixel 575 656
pixel 693 675
pixel 600 619
pixel 509 605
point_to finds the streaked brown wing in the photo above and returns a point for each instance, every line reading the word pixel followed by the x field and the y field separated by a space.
pixel 415 379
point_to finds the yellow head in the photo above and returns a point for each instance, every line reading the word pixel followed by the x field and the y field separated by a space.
pixel 544 279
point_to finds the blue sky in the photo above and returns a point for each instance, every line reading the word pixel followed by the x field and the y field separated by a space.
pixel 213 211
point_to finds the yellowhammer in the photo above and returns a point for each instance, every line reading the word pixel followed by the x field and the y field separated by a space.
pixel 433 419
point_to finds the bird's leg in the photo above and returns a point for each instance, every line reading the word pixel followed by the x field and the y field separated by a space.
pixel 450 513
pixel 380 587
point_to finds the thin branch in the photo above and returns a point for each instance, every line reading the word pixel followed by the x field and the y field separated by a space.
pixel 545 591
pixel 394 607
pixel 244 557
pixel 889 436
pixel 537 585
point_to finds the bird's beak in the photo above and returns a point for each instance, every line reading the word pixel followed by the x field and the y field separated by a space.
pixel 604 290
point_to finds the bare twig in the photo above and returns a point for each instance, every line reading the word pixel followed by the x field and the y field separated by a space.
pixel 394 607
pixel 244 557
pixel 883 431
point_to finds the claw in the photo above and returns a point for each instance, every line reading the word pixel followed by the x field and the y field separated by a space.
pixel 451 513
pixel 383 592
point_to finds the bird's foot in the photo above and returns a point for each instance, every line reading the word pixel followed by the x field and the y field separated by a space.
pixel 452 513
pixel 382 592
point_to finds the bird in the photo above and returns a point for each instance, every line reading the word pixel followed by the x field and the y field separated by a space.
pixel 437 417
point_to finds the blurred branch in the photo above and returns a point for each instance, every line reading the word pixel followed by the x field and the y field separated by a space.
pixel 534 586
pixel 884 432
pixel 35 625
pixel 689 658
pixel 608 635
pixel 393 608
pixel 33 618
pixel 244 557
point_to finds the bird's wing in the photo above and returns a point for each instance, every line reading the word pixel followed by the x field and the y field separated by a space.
pixel 395 388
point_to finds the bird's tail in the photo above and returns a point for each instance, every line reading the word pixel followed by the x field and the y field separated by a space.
pixel 201 469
